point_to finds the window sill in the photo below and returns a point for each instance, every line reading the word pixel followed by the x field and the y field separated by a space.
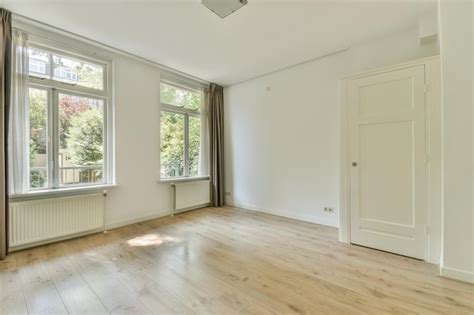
pixel 60 192
pixel 182 179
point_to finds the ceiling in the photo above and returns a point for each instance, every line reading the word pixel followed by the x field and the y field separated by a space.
pixel 261 37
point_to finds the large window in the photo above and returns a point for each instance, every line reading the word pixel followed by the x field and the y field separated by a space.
pixel 180 131
pixel 67 120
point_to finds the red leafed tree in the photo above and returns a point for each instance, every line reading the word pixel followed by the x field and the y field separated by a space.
pixel 69 107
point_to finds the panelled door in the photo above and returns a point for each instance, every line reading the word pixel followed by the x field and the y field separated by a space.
pixel 388 156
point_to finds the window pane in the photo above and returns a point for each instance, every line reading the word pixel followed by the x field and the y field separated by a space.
pixel 39 63
pixel 38 121
pixel 179 97
pixel 81 145
pixel 194 145
pixel 172 145
pixel 65 69
pixel 78 72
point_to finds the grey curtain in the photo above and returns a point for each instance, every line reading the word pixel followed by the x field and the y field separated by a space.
pixel 5 90
pixel 216 135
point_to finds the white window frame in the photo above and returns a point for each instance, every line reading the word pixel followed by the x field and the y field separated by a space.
pixel 186 113
pixel 56 87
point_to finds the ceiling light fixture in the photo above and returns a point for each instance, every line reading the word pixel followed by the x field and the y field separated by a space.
pixel 224 7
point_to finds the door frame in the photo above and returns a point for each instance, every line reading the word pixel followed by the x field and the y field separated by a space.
pixel 434 154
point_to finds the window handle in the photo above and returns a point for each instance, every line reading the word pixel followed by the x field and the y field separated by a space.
pixel 70 84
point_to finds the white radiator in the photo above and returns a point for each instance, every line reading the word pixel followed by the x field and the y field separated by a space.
pixel 38 221
pixel 190 195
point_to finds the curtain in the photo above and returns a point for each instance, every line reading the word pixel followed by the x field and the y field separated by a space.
pixel 19 129
pixel 216 135
pixel 5 88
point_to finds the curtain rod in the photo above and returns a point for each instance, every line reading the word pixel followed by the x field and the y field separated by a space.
pixel 32 22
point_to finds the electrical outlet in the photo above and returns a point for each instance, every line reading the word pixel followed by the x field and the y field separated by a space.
pixel 329 209
pixel 228 193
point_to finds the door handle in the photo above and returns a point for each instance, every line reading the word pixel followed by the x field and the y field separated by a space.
pixel 354 164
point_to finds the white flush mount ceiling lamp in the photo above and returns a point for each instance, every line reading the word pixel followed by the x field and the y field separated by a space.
pixel 224 7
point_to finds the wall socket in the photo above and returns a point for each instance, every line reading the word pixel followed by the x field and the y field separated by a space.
pixel 328 209
pixel 228 193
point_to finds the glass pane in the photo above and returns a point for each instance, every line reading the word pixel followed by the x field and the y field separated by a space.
pixel 194 145
pixel 38 121
pixel 39 63
pixel 78 72
pixel 172 145
pixel 81 144
pixel 179 97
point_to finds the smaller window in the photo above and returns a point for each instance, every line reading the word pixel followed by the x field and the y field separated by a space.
pixel 180 126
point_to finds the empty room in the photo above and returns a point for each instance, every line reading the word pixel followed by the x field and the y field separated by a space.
pixel 236 157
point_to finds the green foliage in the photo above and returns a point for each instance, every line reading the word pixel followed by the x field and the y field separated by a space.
pixel 85 138
pixel 90 76
pixel 38 133
pixel 172 144
pixel 38 122
pixel 194 145
pixel 37 179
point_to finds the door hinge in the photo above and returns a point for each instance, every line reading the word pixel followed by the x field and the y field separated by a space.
pixel 427 230
pixel 426 88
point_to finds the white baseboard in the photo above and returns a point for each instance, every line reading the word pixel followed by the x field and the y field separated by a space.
pixel 53 240
pixel 118 224
pixel 455 274
pixel 152 216
pixel 284 214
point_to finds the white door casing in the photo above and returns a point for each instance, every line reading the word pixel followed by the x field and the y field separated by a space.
pixel 387 144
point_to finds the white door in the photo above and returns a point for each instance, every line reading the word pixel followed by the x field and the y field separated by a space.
pixel 388 156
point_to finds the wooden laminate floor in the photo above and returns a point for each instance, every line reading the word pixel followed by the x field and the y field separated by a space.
pixel 223 261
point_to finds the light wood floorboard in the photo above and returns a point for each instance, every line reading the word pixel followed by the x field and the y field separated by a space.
pixel 223 261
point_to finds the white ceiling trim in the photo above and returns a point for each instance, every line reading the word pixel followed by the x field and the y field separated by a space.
pixel 337 52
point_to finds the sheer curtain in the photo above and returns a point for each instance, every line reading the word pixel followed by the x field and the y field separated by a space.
pixel 204 149
pixel 18 126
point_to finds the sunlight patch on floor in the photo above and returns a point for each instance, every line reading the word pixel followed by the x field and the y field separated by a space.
pixel 151 240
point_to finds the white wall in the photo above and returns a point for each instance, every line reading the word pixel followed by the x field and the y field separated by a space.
pixel 137 133
pixel 456 25
pixel 281 132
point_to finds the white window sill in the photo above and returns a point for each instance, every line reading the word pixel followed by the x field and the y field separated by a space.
pixel 182 179
pixel 60 192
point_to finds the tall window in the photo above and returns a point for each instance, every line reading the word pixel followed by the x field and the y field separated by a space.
pixel 180 131
pixel 67 119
